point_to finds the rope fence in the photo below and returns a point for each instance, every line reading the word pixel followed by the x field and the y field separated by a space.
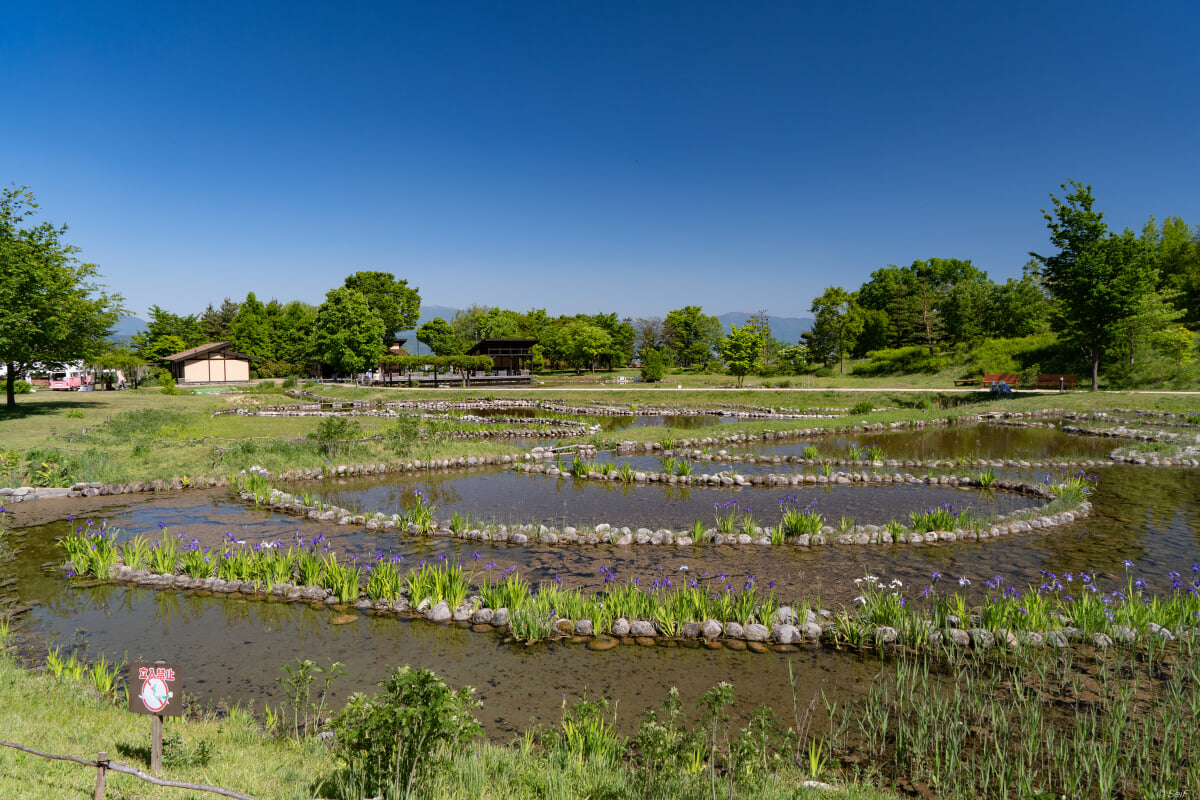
pixel 102 765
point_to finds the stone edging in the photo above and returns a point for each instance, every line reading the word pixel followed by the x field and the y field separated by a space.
pixel 604 533
pixel 786 628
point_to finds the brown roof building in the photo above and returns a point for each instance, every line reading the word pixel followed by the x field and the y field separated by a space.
pixel 215 362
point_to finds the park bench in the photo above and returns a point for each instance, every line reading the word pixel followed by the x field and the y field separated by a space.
pixel 1055 381
pixel 966 381
pixel 990 380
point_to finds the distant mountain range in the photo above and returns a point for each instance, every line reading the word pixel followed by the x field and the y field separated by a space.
pixel 125 328
pixel 784 329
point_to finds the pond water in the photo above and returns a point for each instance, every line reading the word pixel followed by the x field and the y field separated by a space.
pixel 513 497
pixel 233 648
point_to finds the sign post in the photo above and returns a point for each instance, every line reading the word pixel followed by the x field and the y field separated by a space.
pixel 157 687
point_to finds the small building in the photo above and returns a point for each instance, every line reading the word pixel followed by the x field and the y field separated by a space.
pixel 509 356
pixel 215 362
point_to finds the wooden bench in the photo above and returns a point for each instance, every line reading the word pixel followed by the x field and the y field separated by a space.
pixel 990 380
pixel 966 381
pixel 1053 381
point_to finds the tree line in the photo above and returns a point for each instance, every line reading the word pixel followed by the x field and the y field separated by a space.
pixel 1124 301
pixel 1127 302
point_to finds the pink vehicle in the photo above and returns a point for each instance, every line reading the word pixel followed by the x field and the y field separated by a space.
pixel 69 381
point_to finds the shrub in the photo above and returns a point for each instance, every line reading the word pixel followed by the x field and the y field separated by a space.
pixel 168 385
pixel 333 433
pixel 653 366
pixel 1015 355
pixel 824 372
pixel 902 360
pixel 394 742
pixel 21 387
pixel 862 407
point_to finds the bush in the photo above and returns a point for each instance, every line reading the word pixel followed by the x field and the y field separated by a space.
pixel 291 381
pixel 824 372
pixel 653 366
pixel 168 385
pixel 22 387
pixel 862 407
pixel 333 432
pixel 902 360
pixel 1015 355
pixel 394 742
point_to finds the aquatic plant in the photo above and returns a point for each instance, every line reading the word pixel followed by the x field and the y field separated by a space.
pixel 796 519
pixel 986 478
pixel 942 518
pixel 726 515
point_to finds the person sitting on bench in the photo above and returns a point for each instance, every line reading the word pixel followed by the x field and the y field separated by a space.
pixel 1001 388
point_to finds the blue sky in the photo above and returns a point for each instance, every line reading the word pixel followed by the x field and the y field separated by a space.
pixel 621 156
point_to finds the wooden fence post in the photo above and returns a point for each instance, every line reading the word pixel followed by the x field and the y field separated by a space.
pixel 101 765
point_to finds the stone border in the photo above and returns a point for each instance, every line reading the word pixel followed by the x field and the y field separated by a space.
pixel 786 627
pixel 604 533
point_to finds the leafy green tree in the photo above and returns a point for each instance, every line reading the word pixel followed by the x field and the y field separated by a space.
pixel 51 311
pixel 439 337
pixel 1018 308
pixel 691 335
pixel 186 331
pixel 1178 250
pixel 396 304
pixel 215 322
pixel 584 343
pixel 742 349
pixel 620 335
pixel 500 323
pixel 251 330
pixel 293 333
pixel 347 334
pixel 839 321
pixel 1098 279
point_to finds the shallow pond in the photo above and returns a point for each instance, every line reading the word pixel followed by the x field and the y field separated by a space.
pixel 233 648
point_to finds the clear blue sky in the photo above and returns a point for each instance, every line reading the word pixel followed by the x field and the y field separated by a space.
pixel 583 157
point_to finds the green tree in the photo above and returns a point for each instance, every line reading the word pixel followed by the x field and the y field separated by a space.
pixel 51 311
pixel 396 304
pixel 251 330
pixel 469 322
pixel 839 321
pixel 691 335
pixel 653 366
pixel 1178 250
pixel 1098 279
pixel 742 349
pixel 620 335
pixel 1018 308
pixel 583 343
pixel 347 334
pixel 500 323
pixel 439 337
pixel 293 341
pixel 185 330
pixel 215 322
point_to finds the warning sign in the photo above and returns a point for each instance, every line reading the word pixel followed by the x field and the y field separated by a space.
pixel 154 689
